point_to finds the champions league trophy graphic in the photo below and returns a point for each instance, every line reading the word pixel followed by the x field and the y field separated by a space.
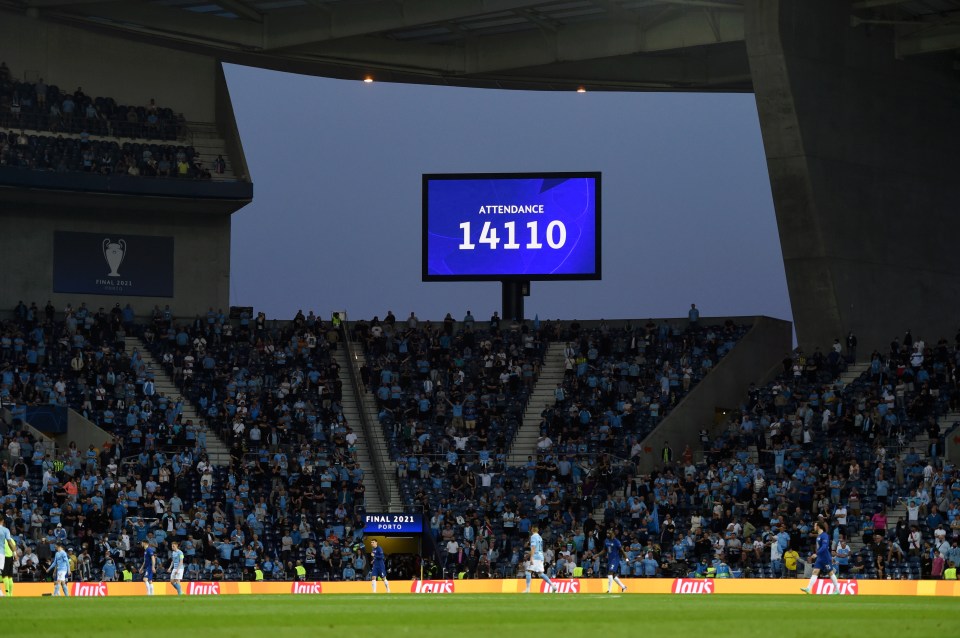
pixel 114 254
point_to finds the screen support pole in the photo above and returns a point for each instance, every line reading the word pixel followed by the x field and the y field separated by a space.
pixel 512 294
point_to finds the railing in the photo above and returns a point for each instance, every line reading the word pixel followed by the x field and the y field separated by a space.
pixel 586 461
pixel 376 453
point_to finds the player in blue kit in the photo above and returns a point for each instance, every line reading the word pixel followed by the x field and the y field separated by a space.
pixel 176 567
pixel 536 557
pixel 149 566
pixel 379 569
pixel 613 549
pixel 60 567
pixel 822 560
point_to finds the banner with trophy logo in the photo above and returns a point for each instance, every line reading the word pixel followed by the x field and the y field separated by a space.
pixel 112 264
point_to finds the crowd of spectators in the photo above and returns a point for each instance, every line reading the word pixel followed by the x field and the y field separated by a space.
pixel 450 396
pixel 38 106
pixel 292 498
pixel 44 128
pixel 102 157
pixel 808 447
pixel 450 399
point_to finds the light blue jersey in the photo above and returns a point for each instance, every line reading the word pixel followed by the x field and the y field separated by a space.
pixel 4 537
pixel 176 559
pixel 61 562
pixel 536 547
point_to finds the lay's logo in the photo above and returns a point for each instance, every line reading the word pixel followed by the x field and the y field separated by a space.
pixel 306 588
pixel 847 587
pixel 692 586
pixel 432 587
pixel 568 586
pixel 88 589
pixel 203 589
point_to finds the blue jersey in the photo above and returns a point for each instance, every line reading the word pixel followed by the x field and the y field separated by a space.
pixel 148 555
pixel 379 563
pixel 176 559
pixel 613 548
pixel 823 546
pixel 536 547
pixel 824 557
pixel 61 562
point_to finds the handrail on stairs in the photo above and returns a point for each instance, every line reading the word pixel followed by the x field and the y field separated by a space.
pixel 375 458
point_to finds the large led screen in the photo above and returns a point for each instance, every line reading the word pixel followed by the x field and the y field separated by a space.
pixel 526 226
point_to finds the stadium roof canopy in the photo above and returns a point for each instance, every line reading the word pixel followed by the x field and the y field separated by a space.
pixel 518 44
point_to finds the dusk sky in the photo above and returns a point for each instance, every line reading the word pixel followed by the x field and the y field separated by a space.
pixel 336 165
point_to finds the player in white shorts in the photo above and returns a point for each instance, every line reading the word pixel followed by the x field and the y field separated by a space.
pixel 536 557
pixel 60 566
pixel 176 566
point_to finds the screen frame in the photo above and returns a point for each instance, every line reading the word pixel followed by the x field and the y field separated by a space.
pixel 424 235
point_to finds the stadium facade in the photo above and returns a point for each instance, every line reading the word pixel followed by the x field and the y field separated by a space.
pixel 856 102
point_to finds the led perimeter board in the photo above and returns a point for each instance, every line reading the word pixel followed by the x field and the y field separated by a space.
pixel 511 226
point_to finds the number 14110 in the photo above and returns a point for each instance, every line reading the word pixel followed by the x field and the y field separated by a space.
pixel 556 236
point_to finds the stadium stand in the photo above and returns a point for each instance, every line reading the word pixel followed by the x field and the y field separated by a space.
pixel 855 443
pixel 38 106
pixel 81 153
pixel 43 127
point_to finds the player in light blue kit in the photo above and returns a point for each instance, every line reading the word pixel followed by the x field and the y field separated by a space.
pixel 536 557
pixel 6 562
pixel 822 560
pixel 526 571
pixel 176 567
pixel 60 567
pixel 379 569
pixel 149 566
pixel 613 549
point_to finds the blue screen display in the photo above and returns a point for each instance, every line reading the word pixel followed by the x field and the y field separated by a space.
pixel 513 226
pixel 392 523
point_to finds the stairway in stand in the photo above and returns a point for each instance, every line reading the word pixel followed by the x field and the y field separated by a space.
pixel 920 446
pixel 853 372
pixel 217 451
pixel 352 403
pixel 543 395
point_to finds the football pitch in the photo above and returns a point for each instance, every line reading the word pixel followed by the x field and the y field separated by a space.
pixel 489 615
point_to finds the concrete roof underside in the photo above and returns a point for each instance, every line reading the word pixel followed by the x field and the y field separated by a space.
pixel 623 45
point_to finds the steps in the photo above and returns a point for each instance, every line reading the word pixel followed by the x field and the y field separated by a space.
pixel 551 373
pixel 351 412
pixel 208 144
pixel 853 372
pixel 217 451
pixel 919 445
pixel 354 400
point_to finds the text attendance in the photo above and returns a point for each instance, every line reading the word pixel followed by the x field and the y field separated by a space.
pixel 511 226
pixel 503 210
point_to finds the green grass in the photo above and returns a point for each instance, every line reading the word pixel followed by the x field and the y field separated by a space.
pixel 490 616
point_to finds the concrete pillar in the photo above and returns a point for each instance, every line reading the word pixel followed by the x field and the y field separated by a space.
pixel 861 150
